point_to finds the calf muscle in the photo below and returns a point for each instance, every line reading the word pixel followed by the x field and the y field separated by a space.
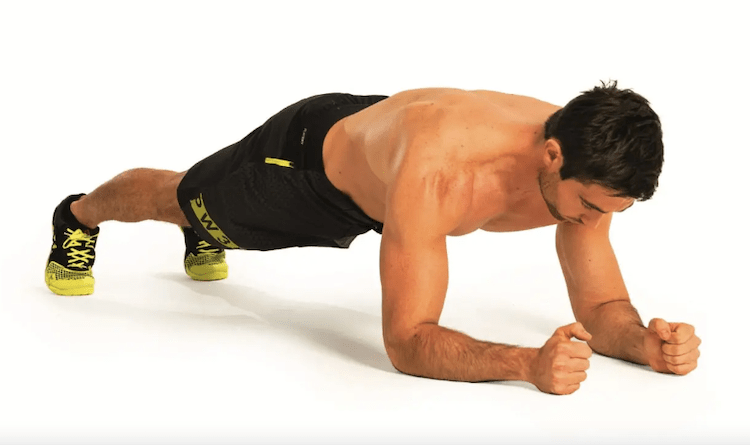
pixel 135 195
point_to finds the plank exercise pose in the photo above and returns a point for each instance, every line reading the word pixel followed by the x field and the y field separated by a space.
pixel 417 167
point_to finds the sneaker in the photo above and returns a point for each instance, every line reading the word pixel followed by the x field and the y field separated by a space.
pixel 69 265
pixel 203 262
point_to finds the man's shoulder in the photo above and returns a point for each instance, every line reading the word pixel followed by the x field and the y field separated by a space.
pixel 450 118
pixel 445 111
pixel 448 98
pixel 465 128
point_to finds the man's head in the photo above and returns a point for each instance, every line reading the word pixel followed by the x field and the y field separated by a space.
pixel 604 145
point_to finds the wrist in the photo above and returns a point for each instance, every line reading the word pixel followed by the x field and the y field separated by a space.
pixel 651 350
pixel 642 352
pixel 528 363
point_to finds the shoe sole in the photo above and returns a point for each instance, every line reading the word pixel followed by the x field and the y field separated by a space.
pixel 77 292
pixel 213 276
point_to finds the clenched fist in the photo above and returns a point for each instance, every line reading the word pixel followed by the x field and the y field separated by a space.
pixel 671 348
pixel 561 364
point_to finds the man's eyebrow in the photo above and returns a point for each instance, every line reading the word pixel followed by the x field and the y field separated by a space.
pixel 591 205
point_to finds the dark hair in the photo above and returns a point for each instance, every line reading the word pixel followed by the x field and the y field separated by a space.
pixel 610 137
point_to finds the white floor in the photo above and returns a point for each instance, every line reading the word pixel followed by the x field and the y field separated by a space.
pixel 288 349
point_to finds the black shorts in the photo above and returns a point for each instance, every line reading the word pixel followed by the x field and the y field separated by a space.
pixel 269 191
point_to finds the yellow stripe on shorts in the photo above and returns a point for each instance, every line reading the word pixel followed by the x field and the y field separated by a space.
pixel 200 211
pixel 281 162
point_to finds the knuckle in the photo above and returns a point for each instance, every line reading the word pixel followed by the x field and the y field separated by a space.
pixel 558 364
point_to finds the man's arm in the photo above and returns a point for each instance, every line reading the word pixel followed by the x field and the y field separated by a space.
pixel 414 273
pixel 422 209
pixel 601 303
pixel 597 291
pixel 429 193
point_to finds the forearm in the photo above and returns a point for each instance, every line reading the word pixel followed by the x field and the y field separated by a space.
pixel 440 353
pixel 617 331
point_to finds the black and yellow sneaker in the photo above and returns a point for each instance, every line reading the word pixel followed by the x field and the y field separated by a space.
pixel 69 265
pixel 203 262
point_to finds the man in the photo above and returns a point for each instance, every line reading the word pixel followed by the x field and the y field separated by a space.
pixel 417 167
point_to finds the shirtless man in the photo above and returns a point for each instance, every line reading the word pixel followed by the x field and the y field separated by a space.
pixel 417 167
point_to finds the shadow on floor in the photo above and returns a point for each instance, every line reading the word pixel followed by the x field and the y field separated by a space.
pixel 351 334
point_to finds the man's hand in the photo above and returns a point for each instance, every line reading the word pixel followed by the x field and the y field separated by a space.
pixel 561 364
pixel 671 348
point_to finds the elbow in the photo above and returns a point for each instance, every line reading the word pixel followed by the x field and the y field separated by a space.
pixel 396 351
pixel 395 356
pixel 401 352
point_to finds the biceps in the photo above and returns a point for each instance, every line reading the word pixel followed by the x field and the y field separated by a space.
pixel 414 278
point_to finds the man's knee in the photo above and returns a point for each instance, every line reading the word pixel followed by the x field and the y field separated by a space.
pixel 167 206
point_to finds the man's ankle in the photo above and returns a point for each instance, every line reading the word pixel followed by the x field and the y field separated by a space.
pixel 78 212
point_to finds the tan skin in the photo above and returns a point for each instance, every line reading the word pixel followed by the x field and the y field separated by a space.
pixel 433 163
pixel 440 162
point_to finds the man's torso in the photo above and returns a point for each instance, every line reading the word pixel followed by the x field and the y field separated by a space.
pixel 494 136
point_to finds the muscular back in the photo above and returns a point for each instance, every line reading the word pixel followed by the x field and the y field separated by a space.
pixel 484 136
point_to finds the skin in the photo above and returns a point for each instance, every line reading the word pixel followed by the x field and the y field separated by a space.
pixel 434 163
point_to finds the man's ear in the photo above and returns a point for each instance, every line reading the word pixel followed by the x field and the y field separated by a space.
pixel 553 158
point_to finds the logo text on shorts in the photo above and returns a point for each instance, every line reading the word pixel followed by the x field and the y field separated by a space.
pixel 211 227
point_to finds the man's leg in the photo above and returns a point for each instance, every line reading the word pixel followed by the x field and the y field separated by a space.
pixel 135 195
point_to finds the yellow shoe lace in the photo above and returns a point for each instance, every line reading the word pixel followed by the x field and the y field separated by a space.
pixel 79 258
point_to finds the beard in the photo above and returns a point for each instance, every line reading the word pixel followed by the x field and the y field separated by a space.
pixel 545 187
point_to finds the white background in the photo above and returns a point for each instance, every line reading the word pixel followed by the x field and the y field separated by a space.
pixel 288 349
